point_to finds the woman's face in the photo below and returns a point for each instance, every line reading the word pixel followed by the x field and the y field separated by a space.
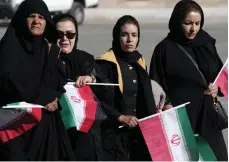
pixel 128 37
pixel 66 35
pixel 191 24
pixel 36 24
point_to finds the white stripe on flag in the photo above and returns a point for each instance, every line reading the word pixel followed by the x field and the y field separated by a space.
pixel 83 103
pixel 175 136
pixel 78 114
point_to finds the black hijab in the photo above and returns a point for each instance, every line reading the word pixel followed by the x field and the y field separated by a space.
pixel 145 95
pixel 26 69
pixel 131 57
pixel 77 62
pixel 202 47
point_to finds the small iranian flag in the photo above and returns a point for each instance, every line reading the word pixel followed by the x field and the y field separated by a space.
pixel 78 107
pixel 169 136
pixel 15 123
pixel 222 79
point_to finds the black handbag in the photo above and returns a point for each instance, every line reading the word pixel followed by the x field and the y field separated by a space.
pixel 221 116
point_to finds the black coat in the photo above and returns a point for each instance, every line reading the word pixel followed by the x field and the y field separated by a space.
pixel 181 81
pixel 118 144
pixel 77 63
pixel 107 72
pixel 80 63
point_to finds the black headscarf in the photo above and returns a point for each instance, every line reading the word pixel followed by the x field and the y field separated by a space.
pixel 25 10
pixel 77 62
pixel 202 47
pixel 116 47
pixel 145 95
pixel 25 66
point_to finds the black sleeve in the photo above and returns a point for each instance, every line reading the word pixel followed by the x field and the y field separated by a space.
pixel 157 70
pixel 106 94
pixel 86 62
pixel 55 79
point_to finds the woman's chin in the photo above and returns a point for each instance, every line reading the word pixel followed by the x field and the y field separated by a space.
pixel 129 50
pixel 65 50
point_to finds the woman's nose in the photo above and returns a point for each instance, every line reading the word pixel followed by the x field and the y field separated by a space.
pixel 129 38
pixel 65 37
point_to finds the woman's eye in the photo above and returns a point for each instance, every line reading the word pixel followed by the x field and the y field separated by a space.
pixel 123 34
pixel 41 17
pixel 134 35
pixel 187 23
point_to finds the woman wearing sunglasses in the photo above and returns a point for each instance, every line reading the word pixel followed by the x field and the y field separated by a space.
pixel 78 67
pixel 78 63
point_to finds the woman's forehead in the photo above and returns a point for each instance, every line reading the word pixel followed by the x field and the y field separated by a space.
pixel 35 13
pixel 66 24
pixel 129 27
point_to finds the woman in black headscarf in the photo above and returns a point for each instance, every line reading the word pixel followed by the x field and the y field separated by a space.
pixel 31 71
pixel 172 67
pixel 77 62
pixel 132 100
pixel 79 66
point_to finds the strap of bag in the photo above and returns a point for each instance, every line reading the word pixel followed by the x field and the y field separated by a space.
pixel 193 61
pixel 196 65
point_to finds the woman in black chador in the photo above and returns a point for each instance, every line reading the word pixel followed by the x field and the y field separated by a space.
pixel 31 71
pixel 186 64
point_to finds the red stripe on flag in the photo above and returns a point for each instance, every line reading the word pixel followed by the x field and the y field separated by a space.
pixel 90 108
pixel 21 125
pixel 155 138
pixel 222 81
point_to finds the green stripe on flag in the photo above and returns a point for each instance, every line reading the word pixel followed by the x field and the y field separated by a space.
pixel 187 132
pixel 67 114
pixel 12 104
pixel 205 152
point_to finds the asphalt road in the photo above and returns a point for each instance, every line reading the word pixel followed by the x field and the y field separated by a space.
pixel 97 38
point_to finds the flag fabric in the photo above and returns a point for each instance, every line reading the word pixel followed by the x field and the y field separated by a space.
pixel 15 123
pixel 78 108
pixel 169 136
pixel 205 151
pixel 222 79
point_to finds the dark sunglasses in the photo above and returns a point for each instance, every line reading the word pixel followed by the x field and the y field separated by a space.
pixel 68 34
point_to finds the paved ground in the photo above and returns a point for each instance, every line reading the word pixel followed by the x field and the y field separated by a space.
pixel 96 39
